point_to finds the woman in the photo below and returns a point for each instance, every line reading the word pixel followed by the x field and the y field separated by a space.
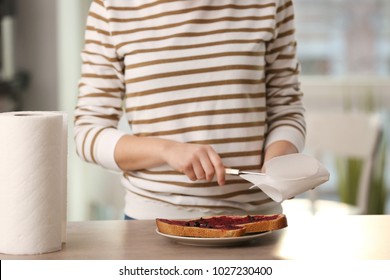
pixel 204 85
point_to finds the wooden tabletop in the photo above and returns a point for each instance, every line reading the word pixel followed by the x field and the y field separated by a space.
pixel 306 237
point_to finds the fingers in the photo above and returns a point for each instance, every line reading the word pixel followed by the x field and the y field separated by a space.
pixel 197 162
pixel 219 168
pixel 198 170
pixel 205 164
pixel 211 165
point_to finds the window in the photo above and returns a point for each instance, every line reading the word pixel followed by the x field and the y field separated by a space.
pixel 343 37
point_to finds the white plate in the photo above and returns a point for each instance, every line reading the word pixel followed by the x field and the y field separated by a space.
pixel 225 241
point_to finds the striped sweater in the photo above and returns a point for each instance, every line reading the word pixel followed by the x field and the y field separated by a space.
pixel 217 72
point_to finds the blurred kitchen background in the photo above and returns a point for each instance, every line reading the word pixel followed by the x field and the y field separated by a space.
pixel 344 49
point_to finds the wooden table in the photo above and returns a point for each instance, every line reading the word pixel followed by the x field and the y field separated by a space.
pixel 306 237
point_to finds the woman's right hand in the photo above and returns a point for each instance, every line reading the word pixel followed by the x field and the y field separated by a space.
pixel 197 162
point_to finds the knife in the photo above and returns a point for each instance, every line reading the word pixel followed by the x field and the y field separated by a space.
pixel 237 172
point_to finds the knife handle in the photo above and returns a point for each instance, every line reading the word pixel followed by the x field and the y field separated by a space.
pixel 232 171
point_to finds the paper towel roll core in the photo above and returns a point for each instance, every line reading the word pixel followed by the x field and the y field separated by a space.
pixel 33 164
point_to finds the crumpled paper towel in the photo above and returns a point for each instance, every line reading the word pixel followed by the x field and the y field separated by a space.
pixel 33 179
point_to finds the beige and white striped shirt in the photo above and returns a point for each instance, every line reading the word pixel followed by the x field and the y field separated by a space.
pixel 218 72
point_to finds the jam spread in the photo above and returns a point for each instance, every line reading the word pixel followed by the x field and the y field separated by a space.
pixel 220 222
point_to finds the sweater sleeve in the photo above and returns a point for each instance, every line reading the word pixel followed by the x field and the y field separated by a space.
pixel 285 111
pixel 101 90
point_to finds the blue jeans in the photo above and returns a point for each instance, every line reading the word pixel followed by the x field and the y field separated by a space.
pixel 127 218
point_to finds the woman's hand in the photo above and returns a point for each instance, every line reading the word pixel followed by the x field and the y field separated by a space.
pixel 198 162
pixel 279 148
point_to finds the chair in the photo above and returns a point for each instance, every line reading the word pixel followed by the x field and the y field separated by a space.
pixel 349 135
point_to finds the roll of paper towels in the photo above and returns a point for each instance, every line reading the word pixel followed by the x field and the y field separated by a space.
pixel 33 179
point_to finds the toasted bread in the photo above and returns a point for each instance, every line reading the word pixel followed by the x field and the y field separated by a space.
pixel 222 226
pixel 270 222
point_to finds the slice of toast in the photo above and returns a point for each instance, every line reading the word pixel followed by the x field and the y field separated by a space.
pixel 222 226
pixel 265 223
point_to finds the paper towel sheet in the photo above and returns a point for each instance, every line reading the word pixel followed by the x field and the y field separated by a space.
pixel 289 175
pixel 33 168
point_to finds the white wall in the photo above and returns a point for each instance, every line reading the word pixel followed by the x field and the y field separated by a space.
pixel 93 193
pixel 36 52
pixel 331 93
